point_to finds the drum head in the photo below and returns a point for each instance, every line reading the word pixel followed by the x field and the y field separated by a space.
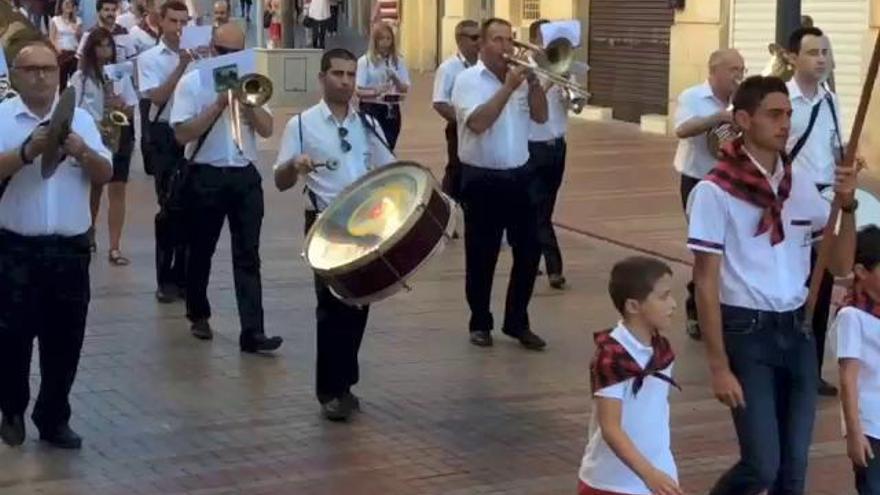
pixel 869 207
pixel 366 216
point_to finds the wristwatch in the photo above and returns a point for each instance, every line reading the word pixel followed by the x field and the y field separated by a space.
pixel 850 208
pixel 21 153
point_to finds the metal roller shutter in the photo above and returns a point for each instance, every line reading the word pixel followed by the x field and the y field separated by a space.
pixel 754 27
pixel 629 56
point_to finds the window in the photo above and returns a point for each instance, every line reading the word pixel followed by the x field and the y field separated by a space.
pixel 531 10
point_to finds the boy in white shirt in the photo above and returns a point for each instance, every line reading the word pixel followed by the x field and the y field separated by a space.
pixel 628 452
pixel 858 354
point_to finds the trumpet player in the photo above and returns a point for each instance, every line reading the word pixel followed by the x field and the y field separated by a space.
pixel 701 110
pixel 222 184
pixel 494 106
pixel 113 112
pixel 547 148
pixel 159 69
pixel 382 80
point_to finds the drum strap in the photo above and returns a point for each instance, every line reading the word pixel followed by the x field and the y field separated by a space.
pixel 366 122
pixel 803 139
pixel 313 198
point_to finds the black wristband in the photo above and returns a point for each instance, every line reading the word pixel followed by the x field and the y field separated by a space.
pixel 850 208
pixel 21 153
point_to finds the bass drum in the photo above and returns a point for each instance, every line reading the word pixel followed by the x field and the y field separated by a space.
pixel 379 231
pixel 869 207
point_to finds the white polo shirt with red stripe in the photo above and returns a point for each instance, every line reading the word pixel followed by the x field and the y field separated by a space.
pixel 754 273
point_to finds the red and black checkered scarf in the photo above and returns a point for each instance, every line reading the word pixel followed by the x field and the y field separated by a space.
pixel 736 174
pixel 612 363
pixel 860 299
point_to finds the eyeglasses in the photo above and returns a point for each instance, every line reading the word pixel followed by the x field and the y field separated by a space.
pixel 32 70
pixel 472 37
pixel 222 50
pixel 345 145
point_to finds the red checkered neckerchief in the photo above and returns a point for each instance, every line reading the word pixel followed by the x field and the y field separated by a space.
pixel 738 175
pixel 613 364
pixel 860 299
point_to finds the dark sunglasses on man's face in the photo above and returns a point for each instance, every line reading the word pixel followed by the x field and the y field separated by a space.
pixel 472 37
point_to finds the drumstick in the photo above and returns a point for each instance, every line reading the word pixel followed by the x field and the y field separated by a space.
pixel 833 225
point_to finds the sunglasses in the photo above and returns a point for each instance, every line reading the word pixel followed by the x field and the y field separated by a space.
pixel 345 145
pixel 222 50
pixel 472 37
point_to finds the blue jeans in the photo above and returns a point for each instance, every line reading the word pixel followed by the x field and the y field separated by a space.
pixel 775 363
pixel 868 479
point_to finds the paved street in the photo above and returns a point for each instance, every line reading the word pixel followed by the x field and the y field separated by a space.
pixel 162 413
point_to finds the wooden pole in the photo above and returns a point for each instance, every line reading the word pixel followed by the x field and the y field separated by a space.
pixel 848 161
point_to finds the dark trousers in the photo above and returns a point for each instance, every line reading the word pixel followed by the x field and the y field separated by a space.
pixel 165 156
pixel 452 175
pixel 688 184
pixel 389 119
pixel 774 359
pixel 495 201
pixel 340 332
pixel 868 478
pixel 548 159
pixel 44 294
pixel 333 22
pixel 213 195
pixel 823 305
pixel 319 34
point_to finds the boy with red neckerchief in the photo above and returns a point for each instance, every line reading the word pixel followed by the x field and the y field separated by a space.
pixel 858 354
pixel 752 222
pixel 629 449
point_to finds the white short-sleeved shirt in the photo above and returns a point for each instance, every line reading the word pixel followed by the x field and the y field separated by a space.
pixel 817 157
pixel 127 19
pixel 143 39
pixel 557 117
pixel 320 133
pixel 154 67
pixel 319 10
pixel 505 144
pixel 90 94
pixel 754 273
pixel 444 79
pixel 125 48
pixel 692 157
pixel 58 205
pixel 66 33
pixel 645 420
pixel 375 75
pixel 858 337
pixel 219 150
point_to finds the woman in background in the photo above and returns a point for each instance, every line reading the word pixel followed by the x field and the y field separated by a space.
pixel 382 80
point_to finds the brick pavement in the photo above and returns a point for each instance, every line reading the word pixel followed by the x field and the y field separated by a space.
pixel 162 413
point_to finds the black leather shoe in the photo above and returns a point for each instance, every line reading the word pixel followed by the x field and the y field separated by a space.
pixel 63 438
pixel 166 295
pixel 12 430
pixel 826 389
pixel 337 409
pixel 202 330
pixel 353 401
pixel 481 339
pixel 528 340
pixel 557 281
pixel 261 343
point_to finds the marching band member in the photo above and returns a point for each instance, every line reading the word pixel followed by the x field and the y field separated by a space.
pixel 815 146
pixel 547 148
pixel 159 70
pixel 65 30
pixel 107 11
pixel 333 132
pixel 222 183
pixel 494 105
pixel 700 109
pixel 44 250
pixel 97 95
pixel 467 37
pixel 751 223
pixel 221 13
pixel 381 71
pixel 145 34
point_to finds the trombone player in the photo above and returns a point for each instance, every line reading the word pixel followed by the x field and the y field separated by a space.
pixel 495 105
pixel 222 183
pixel 701 110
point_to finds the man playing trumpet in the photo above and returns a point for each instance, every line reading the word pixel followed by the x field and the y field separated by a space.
pixel 701 109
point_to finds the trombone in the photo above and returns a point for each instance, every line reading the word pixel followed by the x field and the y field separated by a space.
pixel 553 64
pixel 251 90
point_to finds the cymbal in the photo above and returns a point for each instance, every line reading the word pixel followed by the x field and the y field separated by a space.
pixel 59 128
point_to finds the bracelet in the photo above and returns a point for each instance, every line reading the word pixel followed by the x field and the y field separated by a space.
pixel 21 152
pixel 850 208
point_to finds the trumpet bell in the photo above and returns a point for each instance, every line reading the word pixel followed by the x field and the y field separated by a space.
pixel 254 90
pixel 556 57
pixel 118 118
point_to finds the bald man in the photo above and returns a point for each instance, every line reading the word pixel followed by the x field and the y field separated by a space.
pixel 700 109
pixel 221 12
pixel 44 249
pixel 222 184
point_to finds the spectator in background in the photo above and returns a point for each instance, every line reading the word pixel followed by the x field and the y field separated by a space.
pixel 273 9
pixel 221 12
pixel 65 30
pixel 317 19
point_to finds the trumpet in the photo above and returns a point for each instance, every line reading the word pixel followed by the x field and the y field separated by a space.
pixel 252 90
pixel 552 64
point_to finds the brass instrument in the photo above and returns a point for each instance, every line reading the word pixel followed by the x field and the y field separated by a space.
pixel 551 64
pixel 251 90
pixel 112 121
pixel 720 135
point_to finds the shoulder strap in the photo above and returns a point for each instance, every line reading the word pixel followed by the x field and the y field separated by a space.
pixel 371 127
pixel 159 113
pixel 3 185
pixel 803 139
pixel 830 101
pixel 203 137
pixel 313 198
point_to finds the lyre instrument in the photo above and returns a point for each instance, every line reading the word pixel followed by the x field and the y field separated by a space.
pixel 552 64
pixel 252 91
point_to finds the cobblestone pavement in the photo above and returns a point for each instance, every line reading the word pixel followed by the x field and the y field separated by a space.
pixel 162 413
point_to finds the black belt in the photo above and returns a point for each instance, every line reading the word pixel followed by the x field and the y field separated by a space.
pixel 552 143
pixel 195 167
pixel 761 316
